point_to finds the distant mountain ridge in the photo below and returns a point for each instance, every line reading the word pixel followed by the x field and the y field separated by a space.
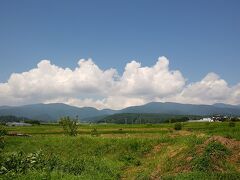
pixel 184 109
pixel 52 112
pixel 222 105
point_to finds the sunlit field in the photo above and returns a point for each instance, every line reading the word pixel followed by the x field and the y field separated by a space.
pixel 109 151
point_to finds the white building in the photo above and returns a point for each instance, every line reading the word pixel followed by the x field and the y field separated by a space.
pixel 18 124
pixel 202 120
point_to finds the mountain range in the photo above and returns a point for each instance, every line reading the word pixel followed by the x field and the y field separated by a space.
pixel 52 112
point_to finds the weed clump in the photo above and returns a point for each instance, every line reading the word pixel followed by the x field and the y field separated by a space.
pixel 212 159
pixel 178 126
pixel 20 163
pixel 129 159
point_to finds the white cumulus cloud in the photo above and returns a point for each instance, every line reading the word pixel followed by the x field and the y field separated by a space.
pixel 88 85
pixel 47 82
pixel 153 81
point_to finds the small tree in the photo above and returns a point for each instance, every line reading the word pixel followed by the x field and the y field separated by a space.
pixel 69 125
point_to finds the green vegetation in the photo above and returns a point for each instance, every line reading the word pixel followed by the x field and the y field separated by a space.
pixel 217 128
pixel 144 118
pixel 232 124
pixel 69 125
pixel 3 132
pixel 123 151
pixel 94 132
pixel 178 126
pixel 214 155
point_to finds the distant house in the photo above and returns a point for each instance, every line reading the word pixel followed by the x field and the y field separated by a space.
pixel 202 120
pixel 18 124
pixel 218 118
pixel 207 119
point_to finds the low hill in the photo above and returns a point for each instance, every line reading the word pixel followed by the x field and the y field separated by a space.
pixel 182 109
pixel 52 112
pixel 135 118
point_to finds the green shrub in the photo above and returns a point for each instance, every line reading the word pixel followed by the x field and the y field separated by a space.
pixel 217 149
pixel 69 125
pixel 178 126
pixel 21 163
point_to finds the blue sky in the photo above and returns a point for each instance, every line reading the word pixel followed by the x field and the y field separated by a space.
pixel 189 52
pixel 197 36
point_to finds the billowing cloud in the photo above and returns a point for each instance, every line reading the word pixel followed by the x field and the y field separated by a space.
pixel 210 89
pixel 88 85
pixel 150 81
pixel 48 82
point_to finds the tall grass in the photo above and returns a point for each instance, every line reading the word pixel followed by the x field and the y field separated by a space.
pixel 115 150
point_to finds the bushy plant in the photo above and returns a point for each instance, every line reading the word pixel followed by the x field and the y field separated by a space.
pixel 69 125
pixel 20 163
pixel 178 126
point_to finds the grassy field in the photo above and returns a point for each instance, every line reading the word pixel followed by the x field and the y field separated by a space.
pixel 151 151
